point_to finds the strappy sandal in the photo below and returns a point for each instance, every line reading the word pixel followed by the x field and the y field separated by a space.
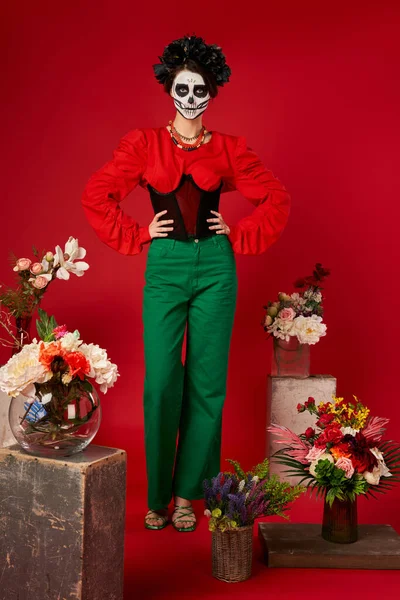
pixel 163 518
pixel 180 509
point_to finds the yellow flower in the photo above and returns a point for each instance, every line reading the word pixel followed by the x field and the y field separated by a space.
pixel 216 512
pixel 211 525
pixel 233 524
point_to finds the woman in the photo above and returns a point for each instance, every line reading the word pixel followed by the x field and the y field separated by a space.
pixel 190 272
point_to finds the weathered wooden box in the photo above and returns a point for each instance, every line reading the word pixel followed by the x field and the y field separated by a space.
pixel 62 523
pixel 300 545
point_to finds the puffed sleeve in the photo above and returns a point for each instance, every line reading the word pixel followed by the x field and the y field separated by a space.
pixel 255 233
pixel 108 186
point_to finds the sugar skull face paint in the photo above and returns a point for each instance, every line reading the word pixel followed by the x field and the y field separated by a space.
pixel 190 94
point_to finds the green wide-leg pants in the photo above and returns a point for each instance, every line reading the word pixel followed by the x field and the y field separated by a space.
pixel 191 284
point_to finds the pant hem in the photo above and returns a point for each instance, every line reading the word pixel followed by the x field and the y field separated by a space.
pixel 189 496
pixel 158 506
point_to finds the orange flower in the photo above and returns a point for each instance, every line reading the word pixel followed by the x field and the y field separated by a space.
pixel 340 450
pixel 48 353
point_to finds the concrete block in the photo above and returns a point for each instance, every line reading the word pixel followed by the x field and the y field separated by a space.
pixel 62 523
pixel 6 436
pixel 284 394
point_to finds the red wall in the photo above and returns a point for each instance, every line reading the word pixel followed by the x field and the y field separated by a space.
pixel 315 90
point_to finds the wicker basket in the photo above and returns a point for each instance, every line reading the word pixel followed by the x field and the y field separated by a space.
pixel 232 553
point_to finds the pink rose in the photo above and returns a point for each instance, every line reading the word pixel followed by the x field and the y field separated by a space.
pixel 23 264
pixel 40 282
pixel 346 465
pixel 315 453
pixel 287 314
pixel 36 268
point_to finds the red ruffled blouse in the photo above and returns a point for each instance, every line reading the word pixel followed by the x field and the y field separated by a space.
pixel 149 156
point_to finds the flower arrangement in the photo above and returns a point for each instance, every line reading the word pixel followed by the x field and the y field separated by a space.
pixel 234 500
pixel 299 314
pixel 33 279
pixel 344 455
pixel 53 374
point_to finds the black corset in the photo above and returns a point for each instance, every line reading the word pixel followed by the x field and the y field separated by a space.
pixel 189 206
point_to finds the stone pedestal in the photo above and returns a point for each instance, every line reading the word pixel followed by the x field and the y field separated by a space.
pixel 6 436
pixel 284 394
pixel 62 523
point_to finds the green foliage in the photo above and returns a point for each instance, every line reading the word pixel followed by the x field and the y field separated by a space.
pixel 261 470
pixel 280 494
pixel 329 479
pixel 238 469
pixel 45 326
pixel 337 485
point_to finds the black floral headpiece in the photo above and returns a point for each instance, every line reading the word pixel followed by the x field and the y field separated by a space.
pixel 208 56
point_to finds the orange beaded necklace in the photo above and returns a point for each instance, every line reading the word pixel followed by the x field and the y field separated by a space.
pixel 184 145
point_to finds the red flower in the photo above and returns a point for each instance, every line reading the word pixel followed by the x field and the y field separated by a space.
pixel 323 408
pixel 301 408
pixel 361 456
pixel 310 402
pixel 332 434
pixel 78 364
pixel 325 420
pixel 310 432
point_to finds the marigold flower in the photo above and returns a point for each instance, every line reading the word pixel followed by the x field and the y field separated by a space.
pixel 48 353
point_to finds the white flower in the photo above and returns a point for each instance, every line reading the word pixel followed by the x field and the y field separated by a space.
pixel 22 370
pixel 46 398
pixel 103 371
pixel 46 266
pixel 66 378
pixel 381 470
pixel 71 341
pixel 282 329
pixel 317 297
pixel 309 329
pixel 384 471
pixel 255 478
pixel 373 477
pixel 241 485
pixel 324 456
pixel 349 431
pixel 65 260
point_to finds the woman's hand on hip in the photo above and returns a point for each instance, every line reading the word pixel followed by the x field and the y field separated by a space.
pixel 157 228
pixel 221 226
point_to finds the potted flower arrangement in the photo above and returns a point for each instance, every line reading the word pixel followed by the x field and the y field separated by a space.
pixel 33 280
pixel 233 500
pixel 55 408
pixel 295 322
pixel 342 457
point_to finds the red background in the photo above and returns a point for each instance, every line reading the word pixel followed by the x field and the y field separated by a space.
pixel 315 89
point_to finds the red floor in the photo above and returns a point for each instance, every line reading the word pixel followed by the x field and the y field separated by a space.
pixel 167 564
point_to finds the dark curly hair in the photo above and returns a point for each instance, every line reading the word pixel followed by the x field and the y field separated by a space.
pixel 192 53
